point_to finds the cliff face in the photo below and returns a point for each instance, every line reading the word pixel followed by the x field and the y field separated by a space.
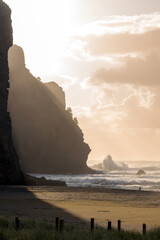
pixel 58 93
pixel 48 139
pixel 10 172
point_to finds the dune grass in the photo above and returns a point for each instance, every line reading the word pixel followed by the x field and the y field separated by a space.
pixel 39 230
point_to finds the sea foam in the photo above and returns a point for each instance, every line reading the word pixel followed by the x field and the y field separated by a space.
pixel 127 179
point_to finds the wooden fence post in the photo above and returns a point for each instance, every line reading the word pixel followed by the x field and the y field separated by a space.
pixel 92 224
pixel 109 225
pixel 119 225
pixel 17 223
pixel 61 225
pixel 57 223
pixel 144 228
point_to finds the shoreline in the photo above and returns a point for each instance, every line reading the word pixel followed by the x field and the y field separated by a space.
pixel 73 204
pixel 128 180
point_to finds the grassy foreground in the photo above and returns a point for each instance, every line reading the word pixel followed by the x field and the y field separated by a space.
pixel 34 230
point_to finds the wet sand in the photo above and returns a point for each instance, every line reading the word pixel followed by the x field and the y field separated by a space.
pixel 76 205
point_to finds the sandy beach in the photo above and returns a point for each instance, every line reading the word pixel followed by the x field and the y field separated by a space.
pixel 80 204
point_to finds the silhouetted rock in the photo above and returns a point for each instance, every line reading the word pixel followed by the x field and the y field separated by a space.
pixel 10 172
pixel 58 93
pixel 141 172
pixel 47 138
pixel 42 181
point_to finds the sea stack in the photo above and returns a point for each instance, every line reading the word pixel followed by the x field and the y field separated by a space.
pixel 10 172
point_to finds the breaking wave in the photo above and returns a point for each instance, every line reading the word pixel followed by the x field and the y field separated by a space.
pixel 127 179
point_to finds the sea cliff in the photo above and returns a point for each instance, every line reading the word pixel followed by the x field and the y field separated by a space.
pixel 10 172
pixel 47 137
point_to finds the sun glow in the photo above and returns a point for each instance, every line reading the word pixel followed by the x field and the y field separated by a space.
pixel 41 28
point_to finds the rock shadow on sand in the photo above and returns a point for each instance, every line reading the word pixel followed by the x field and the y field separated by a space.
pixel 20 201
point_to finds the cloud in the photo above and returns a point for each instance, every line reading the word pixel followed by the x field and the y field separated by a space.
pixel 64 81
pixel 134 124
pixel 133 136
pixel 121 23
pixel 120 106
pixel 116 35
pixel 117 61
pixel 140 117
pixel 122 43
pixel 136 70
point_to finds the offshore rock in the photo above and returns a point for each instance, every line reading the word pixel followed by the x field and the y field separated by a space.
pixel 10 172
pixel 47 138
pixel 141 172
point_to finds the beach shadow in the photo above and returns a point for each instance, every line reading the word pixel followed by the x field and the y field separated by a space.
pixel 21 201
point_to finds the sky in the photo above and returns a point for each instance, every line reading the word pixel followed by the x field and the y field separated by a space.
pixel 106 56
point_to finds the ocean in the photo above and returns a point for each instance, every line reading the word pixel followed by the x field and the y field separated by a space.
pixel 117 179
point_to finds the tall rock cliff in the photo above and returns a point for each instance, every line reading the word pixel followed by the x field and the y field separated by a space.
pixel 47 138
pixel 10 172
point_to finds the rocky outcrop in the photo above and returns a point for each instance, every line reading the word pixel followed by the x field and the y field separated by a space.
pixel 141 172
pixel 42 181
pixel 47 138
pixel 58 93
pixel 10 172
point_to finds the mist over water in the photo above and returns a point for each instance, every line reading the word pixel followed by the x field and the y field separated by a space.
pixel 117 179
